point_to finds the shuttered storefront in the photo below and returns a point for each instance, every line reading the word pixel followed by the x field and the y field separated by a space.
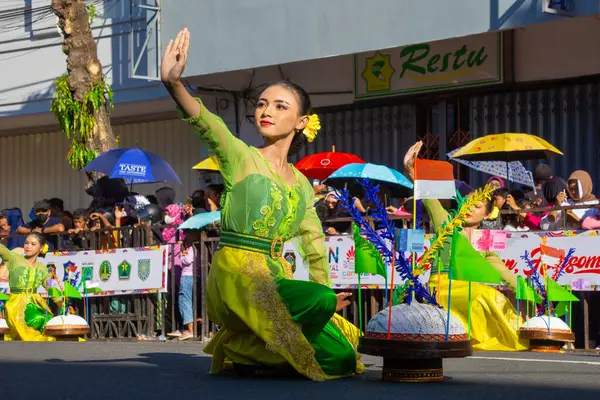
pixel 377 134
pixel 566 116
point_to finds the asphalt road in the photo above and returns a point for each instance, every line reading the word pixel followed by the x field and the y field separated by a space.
pixel 144 370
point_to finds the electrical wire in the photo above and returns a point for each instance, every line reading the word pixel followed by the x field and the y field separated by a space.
pixel 21 18
pixel 58 40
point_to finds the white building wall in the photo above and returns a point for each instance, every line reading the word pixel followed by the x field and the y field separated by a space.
pixel 559 50
pixel 229 35
pixel 33 166
pixel 31 56
pixel 555 50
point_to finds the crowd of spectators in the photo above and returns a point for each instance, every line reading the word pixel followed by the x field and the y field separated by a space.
pixel 516 207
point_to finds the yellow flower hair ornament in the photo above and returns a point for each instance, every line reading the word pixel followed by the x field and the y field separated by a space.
pixel 44 249
pixel 312 128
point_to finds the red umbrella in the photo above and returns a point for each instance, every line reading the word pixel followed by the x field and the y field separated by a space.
pixel 321 165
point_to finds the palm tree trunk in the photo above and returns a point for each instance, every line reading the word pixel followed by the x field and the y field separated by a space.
pixel 83 66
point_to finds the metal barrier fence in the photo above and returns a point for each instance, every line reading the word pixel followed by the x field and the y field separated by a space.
pixel 131 317
pixel 135 316
pixel 373 299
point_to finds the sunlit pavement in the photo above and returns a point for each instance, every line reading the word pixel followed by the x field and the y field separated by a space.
pixel 143 370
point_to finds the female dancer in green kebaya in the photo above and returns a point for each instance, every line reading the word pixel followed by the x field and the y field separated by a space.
pixel 267 320
pixel 25 311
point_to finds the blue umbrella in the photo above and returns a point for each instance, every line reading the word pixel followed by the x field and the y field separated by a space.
pixel 516 170
pixel 199 221
pixel 397 183
pixel 134 166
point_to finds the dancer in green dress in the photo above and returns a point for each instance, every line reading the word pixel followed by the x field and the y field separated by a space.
pixel 265 317
pixel 26 311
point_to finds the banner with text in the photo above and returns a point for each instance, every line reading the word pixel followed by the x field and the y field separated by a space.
pixel 341 254
pixel 115 272
pixel 582 271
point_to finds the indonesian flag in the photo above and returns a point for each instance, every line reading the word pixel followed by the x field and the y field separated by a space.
pixel 434 180
pixel 551 256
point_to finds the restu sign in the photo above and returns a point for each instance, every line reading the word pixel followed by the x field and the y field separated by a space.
pixel 470 61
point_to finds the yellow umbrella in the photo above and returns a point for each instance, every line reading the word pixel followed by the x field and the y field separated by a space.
pixel 507 147
pixel 208 165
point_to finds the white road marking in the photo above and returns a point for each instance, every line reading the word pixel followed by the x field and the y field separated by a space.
pixel 537 360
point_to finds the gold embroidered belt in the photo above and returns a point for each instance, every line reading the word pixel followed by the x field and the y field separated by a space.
pixel 22 291
pixel 270 247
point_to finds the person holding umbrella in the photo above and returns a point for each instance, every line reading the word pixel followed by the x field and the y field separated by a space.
pixel 267 320
pixel 329 208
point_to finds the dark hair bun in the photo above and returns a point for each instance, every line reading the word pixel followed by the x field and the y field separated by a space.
pixel 298 142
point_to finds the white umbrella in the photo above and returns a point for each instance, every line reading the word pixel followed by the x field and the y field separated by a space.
pixel 516 170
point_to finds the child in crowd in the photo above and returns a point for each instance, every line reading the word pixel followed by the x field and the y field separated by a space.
pixel 4 229
pixel 186 285
pixel 80 235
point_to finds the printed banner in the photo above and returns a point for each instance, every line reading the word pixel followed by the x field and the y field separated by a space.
pixel 340 254
pixel 115 272
pixel 128 271
pixel 582 271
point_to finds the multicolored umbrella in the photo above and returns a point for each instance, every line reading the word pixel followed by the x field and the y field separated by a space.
pixel 516 170
pixel 391 179
pixel 507 147
pixel 321 165
pixel 207 165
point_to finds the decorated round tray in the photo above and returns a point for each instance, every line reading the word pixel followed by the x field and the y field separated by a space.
pixel 416 331
pixel 67 325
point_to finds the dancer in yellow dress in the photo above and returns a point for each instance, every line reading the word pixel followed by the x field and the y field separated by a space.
pixel 26 312
pixel 266 318
pixel 494 320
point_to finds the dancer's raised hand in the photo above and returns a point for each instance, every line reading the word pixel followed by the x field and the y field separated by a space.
pixel 171 69
pixel 175 58
pixel 410 157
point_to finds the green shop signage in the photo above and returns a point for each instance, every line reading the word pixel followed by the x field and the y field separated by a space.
pixel 447 64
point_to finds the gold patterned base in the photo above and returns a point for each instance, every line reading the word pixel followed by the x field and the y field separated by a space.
pixel 413 361
pixel 546 345
pixel 414 375
pixel 544 349
pixel 67 331
pixel 413 371
pixel 543 334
